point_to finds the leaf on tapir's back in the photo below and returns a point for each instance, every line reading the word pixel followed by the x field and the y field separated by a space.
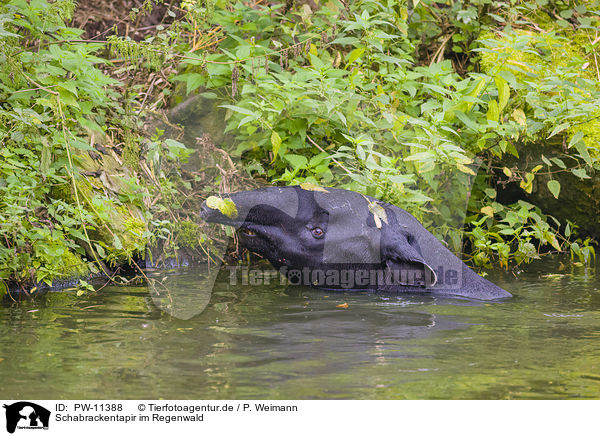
pixel 307 186
pixel 378 213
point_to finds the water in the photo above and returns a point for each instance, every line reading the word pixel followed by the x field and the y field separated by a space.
pixel 278 343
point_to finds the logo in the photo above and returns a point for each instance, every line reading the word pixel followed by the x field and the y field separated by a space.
pixel 26 415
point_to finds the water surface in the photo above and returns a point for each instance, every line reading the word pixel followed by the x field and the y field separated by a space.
pixel 275 342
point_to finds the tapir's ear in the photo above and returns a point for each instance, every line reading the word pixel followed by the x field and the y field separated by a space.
pixel 404 262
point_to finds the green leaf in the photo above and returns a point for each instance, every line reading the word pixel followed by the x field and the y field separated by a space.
pixel 316 62
pixel 503 92
pixel 46 156
pixel 558 162
pixel 401 179
pixel 354 55
pixel 467 121
pixel 577 137
pixel 193 82
pixel 580 172
pixel 69 86
pixel 546 161
pixel 117 242
pixel 100 250
pixel 583 152
pixel 247 119
pixel 558 129
pixel 238 109
pixel 477 90
pixel 554 187
pixel 298 162
pixel 509 77
pixel 490 192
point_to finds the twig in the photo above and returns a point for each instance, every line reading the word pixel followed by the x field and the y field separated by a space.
pixel 440 50
pixel 332 158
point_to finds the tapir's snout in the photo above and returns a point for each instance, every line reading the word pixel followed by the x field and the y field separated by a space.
pixel 221 213
pixel 206 213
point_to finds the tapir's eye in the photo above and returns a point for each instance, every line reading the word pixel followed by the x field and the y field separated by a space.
pixel 318 232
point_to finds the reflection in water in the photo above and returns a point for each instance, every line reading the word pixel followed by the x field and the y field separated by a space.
pixel 273 342
pixel 184 295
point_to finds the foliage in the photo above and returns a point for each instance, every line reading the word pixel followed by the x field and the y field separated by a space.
pixel 338 96
pixel 57 221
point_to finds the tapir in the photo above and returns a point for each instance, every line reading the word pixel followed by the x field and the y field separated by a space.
pixel 337 239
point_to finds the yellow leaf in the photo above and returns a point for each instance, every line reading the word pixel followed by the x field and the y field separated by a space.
pixel 377 221
pixel 378 213
pixel 488 210
pixel 276 143
pixel 527 184
pixel 555 243
pixel 493 112
pixel 507 172
pixel 536 169
pixel 225 206
pixel 338 59
pixel 519 116
pixel 520 64
pixel 503 92
pixel 552 276
pixel 465 169
pixel 307 186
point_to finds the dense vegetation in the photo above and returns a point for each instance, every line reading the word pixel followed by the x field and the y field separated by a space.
pixel 428 105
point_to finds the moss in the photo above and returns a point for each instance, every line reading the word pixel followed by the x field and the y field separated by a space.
pixel 550 54
pixel 540 49
pixel 134 234
pixel 120 229
pixel 131 152
pixel 122 233
pixel 74 265
pixel 188 234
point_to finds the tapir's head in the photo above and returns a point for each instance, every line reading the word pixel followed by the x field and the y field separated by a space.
pixel 314 227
